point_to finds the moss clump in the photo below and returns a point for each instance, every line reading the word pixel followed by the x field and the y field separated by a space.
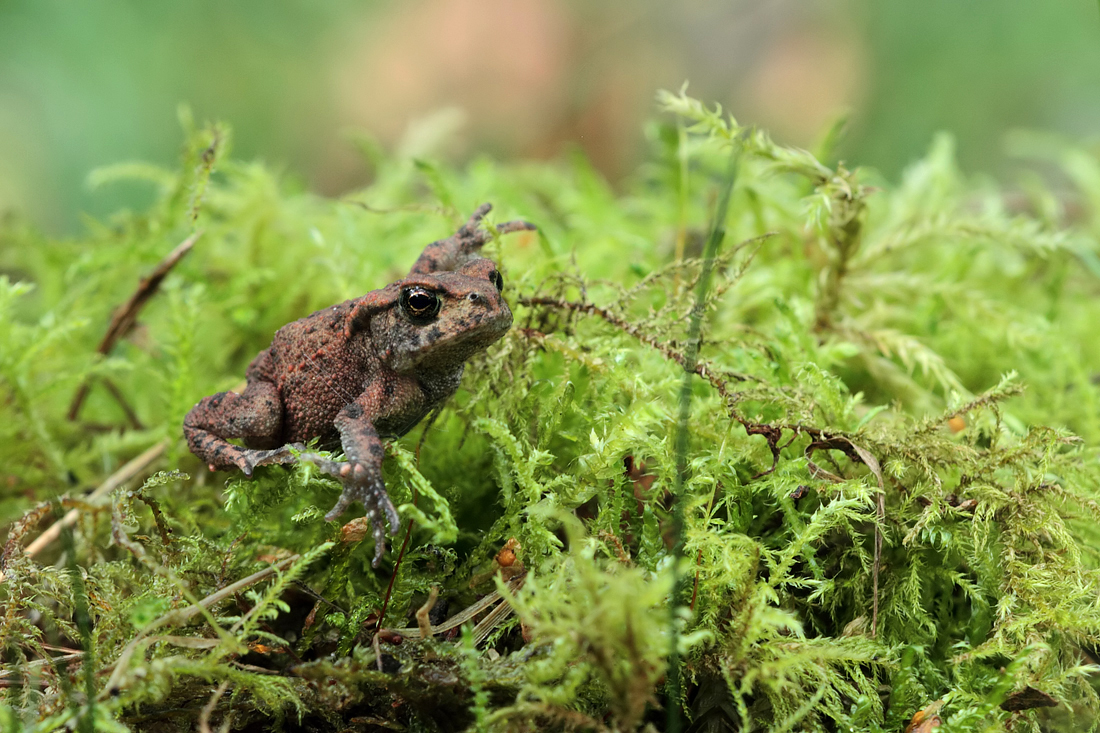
pixel 887 484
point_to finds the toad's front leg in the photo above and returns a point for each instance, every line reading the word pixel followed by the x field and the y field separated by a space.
pixel 361 474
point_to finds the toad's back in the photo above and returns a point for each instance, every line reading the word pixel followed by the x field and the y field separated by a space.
pixel 317 371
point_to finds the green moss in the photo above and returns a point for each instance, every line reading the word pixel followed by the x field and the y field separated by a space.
pixel 888 489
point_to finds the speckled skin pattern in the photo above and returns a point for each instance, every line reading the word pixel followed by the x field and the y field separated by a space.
pixel 360 371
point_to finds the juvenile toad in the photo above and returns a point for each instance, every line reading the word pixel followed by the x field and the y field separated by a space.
pixel 360 371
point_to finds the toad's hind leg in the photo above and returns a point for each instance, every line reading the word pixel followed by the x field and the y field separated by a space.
pixel 256 415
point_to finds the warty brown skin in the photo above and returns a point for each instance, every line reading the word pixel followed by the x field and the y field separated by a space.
pixel 365 369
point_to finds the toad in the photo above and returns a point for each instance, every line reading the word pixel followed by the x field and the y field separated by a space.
pixel 366 369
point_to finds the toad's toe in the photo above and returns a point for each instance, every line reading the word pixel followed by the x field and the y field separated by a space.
pixel 364 486
pixel 253 458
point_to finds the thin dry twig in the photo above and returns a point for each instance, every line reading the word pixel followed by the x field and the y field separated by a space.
pixel 208 709
pixel 422 621
pixel 123 320
pixel 114 391
pixel 702 368
pixel 772 433
pixel 857 453
pixel 180 615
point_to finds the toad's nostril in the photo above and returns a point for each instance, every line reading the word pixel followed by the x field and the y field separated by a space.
pixel 474 297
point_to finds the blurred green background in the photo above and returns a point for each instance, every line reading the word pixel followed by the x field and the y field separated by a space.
pixel 84 85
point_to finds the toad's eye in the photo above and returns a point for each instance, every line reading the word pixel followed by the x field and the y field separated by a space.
pixel 496 279
pixel 419 304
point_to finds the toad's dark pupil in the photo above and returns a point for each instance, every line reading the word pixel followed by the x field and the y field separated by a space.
pixel 496 279
pixel 420 304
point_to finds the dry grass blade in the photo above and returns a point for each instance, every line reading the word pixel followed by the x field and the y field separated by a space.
pixel 492 620
pixel 468 613
pixel 117 479
pixel 127 473
pixel 60 659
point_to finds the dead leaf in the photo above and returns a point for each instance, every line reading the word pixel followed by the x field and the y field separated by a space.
pixel 926 720
pixel 355 531
pixel 1028 699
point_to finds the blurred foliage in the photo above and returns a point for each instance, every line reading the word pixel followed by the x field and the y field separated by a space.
pixel 84 86
pixel 977 69
pixel 889 497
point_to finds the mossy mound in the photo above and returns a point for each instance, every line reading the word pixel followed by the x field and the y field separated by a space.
pixel 886 475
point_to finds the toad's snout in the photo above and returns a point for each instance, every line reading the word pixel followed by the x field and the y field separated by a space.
pixel 488 304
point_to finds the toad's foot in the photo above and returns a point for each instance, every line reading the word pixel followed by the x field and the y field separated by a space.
pixel 362 483
pixel 249 459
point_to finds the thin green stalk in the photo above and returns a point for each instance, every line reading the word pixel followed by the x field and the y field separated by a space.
pixel 695 329
pixel 83 619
